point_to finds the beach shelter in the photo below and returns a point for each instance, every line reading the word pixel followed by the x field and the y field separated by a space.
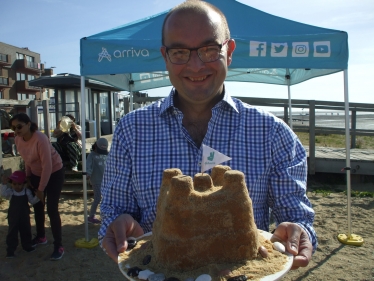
pixel 269 49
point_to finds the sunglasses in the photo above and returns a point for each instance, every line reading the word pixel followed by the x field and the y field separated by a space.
pixel 17 127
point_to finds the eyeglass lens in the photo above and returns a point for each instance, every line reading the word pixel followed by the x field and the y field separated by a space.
pixel 18 127
pixel 206 54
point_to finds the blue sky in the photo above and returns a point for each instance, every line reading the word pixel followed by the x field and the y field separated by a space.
pixel 53 29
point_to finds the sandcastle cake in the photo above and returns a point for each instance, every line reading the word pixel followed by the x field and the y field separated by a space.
pixel 203 226
pixel 209 220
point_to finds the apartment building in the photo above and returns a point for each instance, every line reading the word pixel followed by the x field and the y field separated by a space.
pixel 18 66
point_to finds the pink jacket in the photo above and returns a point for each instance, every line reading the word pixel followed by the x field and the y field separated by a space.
pixel 41 159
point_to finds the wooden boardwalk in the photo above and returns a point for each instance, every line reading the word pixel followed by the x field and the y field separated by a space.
pixel 333 160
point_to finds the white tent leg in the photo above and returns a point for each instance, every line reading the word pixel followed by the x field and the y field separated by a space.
pixel 84 242
pixel 349 239
pixel 288 78
pixel 83 126
pixel 348 152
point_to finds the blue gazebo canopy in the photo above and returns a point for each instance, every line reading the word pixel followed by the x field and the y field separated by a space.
pixel 269 49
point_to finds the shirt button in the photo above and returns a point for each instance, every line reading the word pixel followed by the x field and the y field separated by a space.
pixel 199 164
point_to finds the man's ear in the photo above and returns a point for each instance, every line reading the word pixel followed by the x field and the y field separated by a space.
pixel 230 50
pixel 163 53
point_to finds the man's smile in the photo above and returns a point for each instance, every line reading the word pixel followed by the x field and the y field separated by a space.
pixel 201 78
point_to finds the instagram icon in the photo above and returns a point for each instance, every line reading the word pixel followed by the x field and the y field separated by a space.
pixel 300 49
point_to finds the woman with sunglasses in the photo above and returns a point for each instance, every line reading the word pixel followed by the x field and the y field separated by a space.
pixel 45 173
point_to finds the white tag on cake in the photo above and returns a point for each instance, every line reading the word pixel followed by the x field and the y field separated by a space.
pixel 212 158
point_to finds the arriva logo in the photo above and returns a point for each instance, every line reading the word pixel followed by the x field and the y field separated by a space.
pixel 123 54
pixel 104 54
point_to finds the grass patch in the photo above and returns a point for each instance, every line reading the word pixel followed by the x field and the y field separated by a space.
pixel 361 194
pixel 363 142
pixel 323 192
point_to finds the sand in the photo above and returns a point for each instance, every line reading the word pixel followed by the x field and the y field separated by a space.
pixel 332 260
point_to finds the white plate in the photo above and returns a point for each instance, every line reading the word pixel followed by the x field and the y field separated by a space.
pixel 278 275
pixel 273 277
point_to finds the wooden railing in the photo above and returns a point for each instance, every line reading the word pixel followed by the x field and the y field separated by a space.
pixel 312 106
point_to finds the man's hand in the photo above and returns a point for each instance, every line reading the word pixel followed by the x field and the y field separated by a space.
pixel 115 239
pixel 296 241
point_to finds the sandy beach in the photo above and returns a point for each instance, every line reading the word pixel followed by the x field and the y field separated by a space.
pixel 332 260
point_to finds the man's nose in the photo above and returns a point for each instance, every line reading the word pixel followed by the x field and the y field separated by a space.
pixel 195 60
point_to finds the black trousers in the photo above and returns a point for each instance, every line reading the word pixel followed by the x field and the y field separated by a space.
pixel 18 221
pixel 70 151
pixel 52 194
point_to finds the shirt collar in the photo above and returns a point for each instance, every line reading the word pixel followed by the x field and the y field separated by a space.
pixel 169 101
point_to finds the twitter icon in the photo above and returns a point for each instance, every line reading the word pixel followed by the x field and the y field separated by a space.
pixel 279 49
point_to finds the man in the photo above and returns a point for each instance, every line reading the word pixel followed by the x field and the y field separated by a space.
pixel 197 50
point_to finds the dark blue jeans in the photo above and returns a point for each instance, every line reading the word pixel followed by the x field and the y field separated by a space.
pixel 52 194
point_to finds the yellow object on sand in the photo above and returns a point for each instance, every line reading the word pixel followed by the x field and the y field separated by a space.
pixel 353 239
pixel 82 243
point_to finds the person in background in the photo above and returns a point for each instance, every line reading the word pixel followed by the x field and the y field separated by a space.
pixel 69 144
pixel 46 176
pixel 18 212
pixel 170 133
pixel 95 170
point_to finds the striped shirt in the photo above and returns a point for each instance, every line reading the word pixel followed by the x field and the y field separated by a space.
pixel 151 139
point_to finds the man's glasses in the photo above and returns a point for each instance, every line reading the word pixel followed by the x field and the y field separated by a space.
pixel 209 53
pixel 17 127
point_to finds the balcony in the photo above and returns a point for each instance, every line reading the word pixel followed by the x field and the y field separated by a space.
pixel 29 66
pixel 5 60
pixel 23 86
pixel 4 83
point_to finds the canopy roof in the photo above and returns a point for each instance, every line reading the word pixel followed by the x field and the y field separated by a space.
pixel 67 80
pixel 267 49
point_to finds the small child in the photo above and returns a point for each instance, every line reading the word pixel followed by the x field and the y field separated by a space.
pixel 19 212
pixel 95 170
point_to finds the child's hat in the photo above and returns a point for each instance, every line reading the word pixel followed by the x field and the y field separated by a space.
pixel 18 177
pixel 102 145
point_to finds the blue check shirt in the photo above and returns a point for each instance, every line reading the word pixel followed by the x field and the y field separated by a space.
pixel 151 139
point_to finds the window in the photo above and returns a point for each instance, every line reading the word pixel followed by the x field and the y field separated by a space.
pixel 32 97
pixel 21 96
pixel 3 57
pixel 4 81
pixel 104 107
pixel 29 58
pixel 30 77
pixel 20 76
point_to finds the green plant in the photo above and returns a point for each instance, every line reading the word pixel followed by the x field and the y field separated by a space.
pixel 361 194
pixel 323 192
pixel 362 142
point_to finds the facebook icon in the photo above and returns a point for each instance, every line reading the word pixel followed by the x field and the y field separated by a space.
pixel 257 48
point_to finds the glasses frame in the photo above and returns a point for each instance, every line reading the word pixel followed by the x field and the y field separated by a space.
pixel 167 49
pixel 18 127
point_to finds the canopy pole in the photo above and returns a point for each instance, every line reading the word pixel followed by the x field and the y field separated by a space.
pixel 84 242
pixel 288 79
pixel 349 239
